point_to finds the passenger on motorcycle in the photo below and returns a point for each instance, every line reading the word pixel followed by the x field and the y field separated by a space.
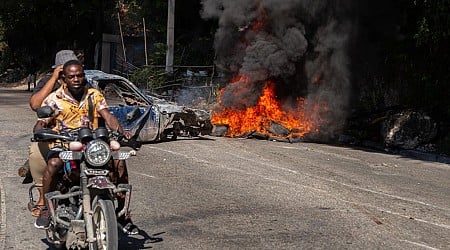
pixel 39 150
pixel 70 103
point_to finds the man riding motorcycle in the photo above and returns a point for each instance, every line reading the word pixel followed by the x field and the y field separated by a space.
pixel 71 105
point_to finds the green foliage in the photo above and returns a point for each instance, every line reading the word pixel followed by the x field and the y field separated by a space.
pixel 199 51
pixel 149 77
pixel 158 54
pixel 423 32
pixel 152 77
pixel 155 13
pixel 132 13
pixel 35 30
pixel 433 22
pixel 5 53
pixel 417 64
pixel 131 17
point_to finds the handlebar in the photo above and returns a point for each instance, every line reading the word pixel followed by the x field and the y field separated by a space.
pixel 73 135
pixel 48 134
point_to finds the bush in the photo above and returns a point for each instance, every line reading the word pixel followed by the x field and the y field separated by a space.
pixel 149 77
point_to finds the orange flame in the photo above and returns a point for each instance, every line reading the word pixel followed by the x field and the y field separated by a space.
pixel 260 117
pixel 268 110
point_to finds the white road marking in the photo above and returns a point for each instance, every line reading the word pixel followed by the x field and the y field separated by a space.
pixel 345 184
pixel 2 216
pixel 139 173
pixel 420 245
pixel 320 190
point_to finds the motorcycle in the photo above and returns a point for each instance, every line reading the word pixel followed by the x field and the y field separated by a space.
pixel 82 208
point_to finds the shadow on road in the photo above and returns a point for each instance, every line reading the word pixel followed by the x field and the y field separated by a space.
pixel 126 242
pixel 139 241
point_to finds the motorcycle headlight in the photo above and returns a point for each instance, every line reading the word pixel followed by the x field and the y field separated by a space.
pixel 97 153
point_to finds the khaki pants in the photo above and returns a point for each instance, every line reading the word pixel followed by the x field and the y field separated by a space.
pixel 38 163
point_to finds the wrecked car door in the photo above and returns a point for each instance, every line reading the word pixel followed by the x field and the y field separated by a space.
pixel 134 111
pixel 146 118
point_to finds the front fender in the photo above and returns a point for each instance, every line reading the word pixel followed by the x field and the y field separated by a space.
pixel 100 182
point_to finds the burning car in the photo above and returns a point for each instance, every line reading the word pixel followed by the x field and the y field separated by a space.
pixel 147 118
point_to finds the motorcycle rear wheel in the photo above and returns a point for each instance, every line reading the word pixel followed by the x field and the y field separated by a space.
pixel 105 225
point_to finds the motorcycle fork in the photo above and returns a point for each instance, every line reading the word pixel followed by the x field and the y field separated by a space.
pixel 87 210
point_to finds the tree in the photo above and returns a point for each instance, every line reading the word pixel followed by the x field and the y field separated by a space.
pixel 35 30
pixel 4 58
pixel 421 58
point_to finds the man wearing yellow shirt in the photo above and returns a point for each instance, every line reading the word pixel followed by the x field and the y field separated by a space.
pixel 71 105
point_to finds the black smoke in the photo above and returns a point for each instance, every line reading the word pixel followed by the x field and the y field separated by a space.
pixel 302 45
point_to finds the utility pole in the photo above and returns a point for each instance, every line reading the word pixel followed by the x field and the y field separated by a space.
pixel 125 65
pixel 170 35
pixel 145 43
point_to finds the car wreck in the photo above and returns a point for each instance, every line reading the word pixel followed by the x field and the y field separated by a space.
pixel 147 118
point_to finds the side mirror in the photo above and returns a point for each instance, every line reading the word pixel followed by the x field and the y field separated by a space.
pixel 44 112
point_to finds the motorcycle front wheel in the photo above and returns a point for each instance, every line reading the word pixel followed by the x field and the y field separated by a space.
pixel 105 225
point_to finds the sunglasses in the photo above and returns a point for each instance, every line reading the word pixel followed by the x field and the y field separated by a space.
pixel 81 75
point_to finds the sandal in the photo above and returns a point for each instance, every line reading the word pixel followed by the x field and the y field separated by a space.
pixel 36 210
pixel 127 226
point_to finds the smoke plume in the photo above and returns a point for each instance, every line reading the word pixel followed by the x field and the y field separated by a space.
pixel 300 44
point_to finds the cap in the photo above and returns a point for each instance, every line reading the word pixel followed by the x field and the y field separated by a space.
pixel 64 56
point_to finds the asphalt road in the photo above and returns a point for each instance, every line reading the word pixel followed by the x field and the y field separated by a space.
pixel 222 193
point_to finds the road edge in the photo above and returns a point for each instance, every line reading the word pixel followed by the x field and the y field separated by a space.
pixel 2 216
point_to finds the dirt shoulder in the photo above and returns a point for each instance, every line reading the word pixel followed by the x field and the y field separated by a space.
pixel 23 84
